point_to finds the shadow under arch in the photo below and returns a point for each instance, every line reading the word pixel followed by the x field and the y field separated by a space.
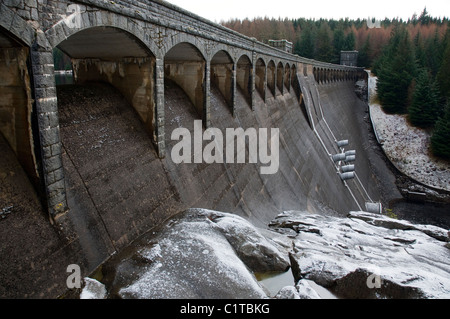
pixel 244 71
pixel 106 124
pixel 114 56
pixel 185 65
pixel 222 67
pixel 271 77
pixel 261 78
pixel 280 77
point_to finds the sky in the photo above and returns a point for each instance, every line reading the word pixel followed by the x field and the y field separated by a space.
pixel 218 10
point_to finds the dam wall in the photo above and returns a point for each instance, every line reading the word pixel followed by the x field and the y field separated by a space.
pixel 118 188
pixel 98 154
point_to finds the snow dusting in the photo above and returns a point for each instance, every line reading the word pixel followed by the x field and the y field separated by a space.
pixel 406 146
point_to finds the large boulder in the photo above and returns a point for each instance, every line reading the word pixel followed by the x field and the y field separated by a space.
pixel 199 254
pixel 255 250
pixel 368 255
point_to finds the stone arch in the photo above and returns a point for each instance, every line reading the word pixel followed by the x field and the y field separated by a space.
pixel 287 76
pixel 217 47
pixel 140 30
pixel 280 77
pixel 272 77
pixel 185 65
pixel 194 42
pixel 244 71
pixel 110 55
pixel 107 54
pixel 261 77
pixel 293 74
pixel 16 27
pixel 222 68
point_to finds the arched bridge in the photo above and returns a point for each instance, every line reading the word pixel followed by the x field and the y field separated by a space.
pixel 134 45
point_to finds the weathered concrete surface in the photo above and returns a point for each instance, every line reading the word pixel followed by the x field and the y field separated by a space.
pixel 118 188
pixel 111 163
pixel 113 171
pixel 34 255
pixel 134 78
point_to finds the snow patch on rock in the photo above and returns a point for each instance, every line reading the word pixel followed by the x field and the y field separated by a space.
pixel 350 254
pixel 198 256
pixel 93 289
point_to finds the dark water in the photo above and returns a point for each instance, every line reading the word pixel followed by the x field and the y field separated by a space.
pixel 63 78
pixel 423 213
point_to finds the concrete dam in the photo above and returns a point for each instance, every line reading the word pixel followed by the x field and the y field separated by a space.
pixel 88 167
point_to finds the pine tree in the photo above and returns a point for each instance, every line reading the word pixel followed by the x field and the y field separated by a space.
pixel 364 54
pixel 395 72
pixel 419 47
pixel 434 53
pixel 305 47
pixel 338 44
pixel 441 136
pixel 424 18
pixel 443 78
pixel 350 42
pixel 324 49
pixel 424 110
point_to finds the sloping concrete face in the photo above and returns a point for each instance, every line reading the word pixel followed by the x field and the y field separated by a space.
pixel 133 77
pixel 124 184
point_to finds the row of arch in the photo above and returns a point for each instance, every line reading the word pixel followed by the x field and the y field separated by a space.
pixel 328 75
pixel 189 63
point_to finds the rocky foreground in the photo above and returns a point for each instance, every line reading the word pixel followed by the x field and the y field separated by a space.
pixel 209 254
